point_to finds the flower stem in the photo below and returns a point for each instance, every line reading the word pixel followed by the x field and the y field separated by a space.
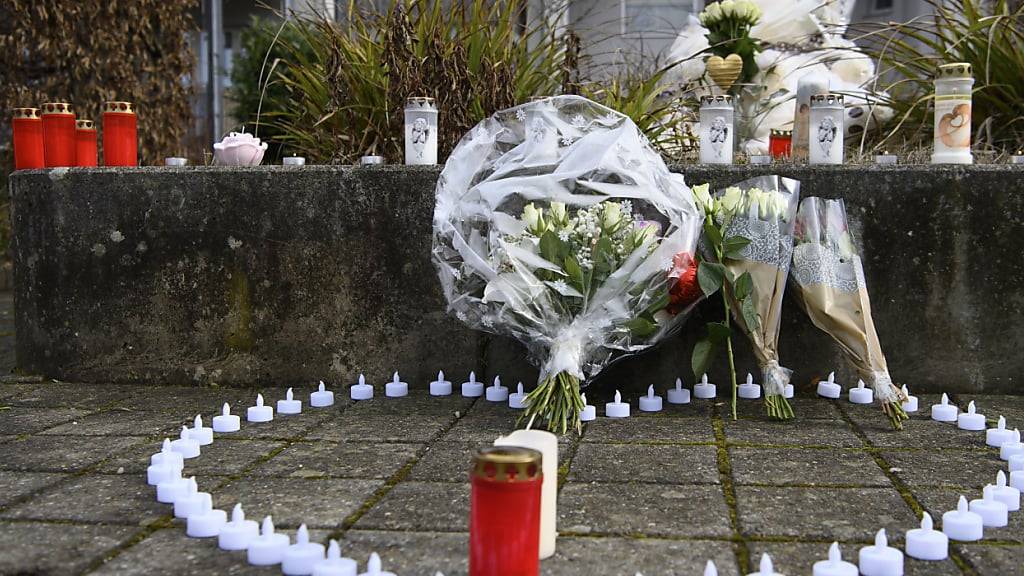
pixel 894 410
pixel 778 407
pixel 556 401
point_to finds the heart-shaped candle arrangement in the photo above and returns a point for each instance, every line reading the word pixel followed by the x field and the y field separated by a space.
pixel 725 71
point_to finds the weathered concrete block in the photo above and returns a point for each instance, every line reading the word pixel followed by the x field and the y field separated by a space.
pixel 282 275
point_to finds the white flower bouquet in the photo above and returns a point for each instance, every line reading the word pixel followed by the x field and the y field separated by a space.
pixel 556 223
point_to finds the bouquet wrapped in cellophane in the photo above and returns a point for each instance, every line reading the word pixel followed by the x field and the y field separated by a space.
pixel 556 223
pixel 830 283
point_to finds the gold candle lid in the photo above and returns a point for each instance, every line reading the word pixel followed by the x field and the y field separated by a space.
pixel 57 108
pixel 118 107
pixel 84 124
pixel 507 464
pixel 420 101
pixel 827 100
pixel 715 99
pixel 25 113
pixel 782 133
pixel 955 70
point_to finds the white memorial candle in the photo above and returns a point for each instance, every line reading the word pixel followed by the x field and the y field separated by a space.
pixel 825 140
pixel 910 404
pixel 185 445
pixel 207 521
pixel 808 85
pixel 765 568
pixel 997 436
pixel 373 567
pixel 203 435
pixel 886 158
pixel 237 534
pixel 440 387
pixel 497 392
pixel 829 388
pixel 226 422
pixel 589 412
pixel 834 566
pixel 1017 476
pixel 268 548
pixel 618 408
pixel 396 388
pixel 164 465
pixel 190 502
pixel 749 390
pixel 1012 447
pixel 1016 463
pixel 547 444
pixel 167 455
pixel 678 395
pixel 289 405
pixel 1006 494
pixel 322 397
pixel 294 161
pixel 926 543
pixel 970 420
pixel 880 559
pixel 994 514
pixel 420 131
pixel 944 411
pixel 861 394
pixel 962 524
pixel 703 389
pixel 335 565
pixel 517 400
pixel 171 489
pixel 361 390
pixel 471 388
pixel 651 402
pixel 788 391
pixel 300 558
pixel 175 161
pixel 259 412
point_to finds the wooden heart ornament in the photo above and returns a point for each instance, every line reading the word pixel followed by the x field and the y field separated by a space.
pixel 725 71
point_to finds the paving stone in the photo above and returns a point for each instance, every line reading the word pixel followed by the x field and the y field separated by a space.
pixel 421 506
pixel 15 485
pixel 222 458
pixel 792 433
pixel 804 407
pixel 183 401
pixel 995 560
pixel 630 430
pixel 952 469
pixel 56 549
pixel 822 513
pixel 170 551
pixel 994 406
pixel 628 509
pixel 417 403
pixel 452 461
pixel 124 499
pixel 22 420
pixel 123 422
pixel 354 427
pixel 582 556
pixel 805 467
pixel 921 434
pixel 411 553
pixel 319 503
pixel 484 428
pixel 66 395
pixel 61 453
pixel 799 558
pixel 343 460
pixel 645 463
pixel 937 502
pixel 282 426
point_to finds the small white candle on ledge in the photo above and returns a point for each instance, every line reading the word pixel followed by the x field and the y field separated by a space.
pixel 517 400
pixel 861 394
pixel 678 395
pixel 185 445
pixel 829 388
pixel 294 161
pixel 589 412
pixel 300 557
pixel 289 405
pixel 175 161
pixel 1011 448
pixel 396 388
pixel 547 444
pixel 944 411
pixel 268 548
pixel 236 534
pixel 886 158
pixel 201 434
pixel 497 392
pixel 440 387
pixel 748 390
pixel 765 568
pixel 880 559
pixel 926 543
pixel 761 159
pixel 971 420
pixel 995 437
pixel 226 422
pixel 703 389
pixel 1008 495
pixel 962 524
pixel 259 412
pixel 207 521
pixel 994 514
pixel 472 388
pixel 618 408
pixel 371 161
pixel 651 402
pixel 834 566
pixel 362 390
pixel 910 404
pixel 1017 158
pixel 322 397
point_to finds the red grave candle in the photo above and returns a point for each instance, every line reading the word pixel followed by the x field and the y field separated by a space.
pixel 504 512
pixel 85 143
pixel 120 134
pixel 58 134
pixel 780 143
pixel 27 126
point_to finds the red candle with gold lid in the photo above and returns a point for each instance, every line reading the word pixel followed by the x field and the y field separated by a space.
pixel 780 143
pixel 27 128
pixel 504 512
pixel 85 143
pixel 120 134
pixel 58 134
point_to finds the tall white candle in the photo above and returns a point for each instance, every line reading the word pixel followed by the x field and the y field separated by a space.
pixel 547 444
pixel 808 85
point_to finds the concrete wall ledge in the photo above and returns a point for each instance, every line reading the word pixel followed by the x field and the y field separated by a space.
pixel 287 275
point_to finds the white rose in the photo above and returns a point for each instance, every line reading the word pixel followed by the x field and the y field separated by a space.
pixel 611 216
pixel 534 218
pixel 558 213
pixel 703 198
pixel 730 201
pixel 714 13
pixel 728 8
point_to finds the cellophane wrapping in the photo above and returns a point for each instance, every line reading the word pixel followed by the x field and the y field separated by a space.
pixel 828 273
pixel 556 223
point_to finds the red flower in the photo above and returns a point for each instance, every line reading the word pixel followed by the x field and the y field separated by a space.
pixel 686 290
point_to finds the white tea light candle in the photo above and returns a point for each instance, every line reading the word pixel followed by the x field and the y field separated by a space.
pixel 926 543
pixel 704 389
pixel 944 411
pixel 226 422
pixel 259 412
pixel 861 394
pixel 440 387
pixel 1017 477
pixel 994 514
pixel 334 564
pixel 829 388
pixel 589 412
pixel 962 524
pixel 879 559
pixel 396 388
pixel 651 402
pixel 1011 448
pixel 294 161
pixel 834 566
pixel 517 400
pixel 971 420
pixel 207 521
pixel 1018 158
pixel 175 161
pixel 471 388
pixel 760 159
pixel 497 392
pixel 997 436
pixel 678 395
pixel 373 567
pixel 268 548
pixel 361 390
pixel 190 501
pixel 322 397
pixel 910 404
pixel 289 405
pixel 749 390
pixel 1006 494
pixel 300 558
pixel 765 568
pixel 172 488
pixel 618 408
pixel 886 158
pixel 185 445
pixel 710 569
pixel 237 534
pixel 547 444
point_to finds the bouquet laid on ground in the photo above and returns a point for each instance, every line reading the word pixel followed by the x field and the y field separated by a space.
pixel 556 223
pixel 748 238
pixel 830 282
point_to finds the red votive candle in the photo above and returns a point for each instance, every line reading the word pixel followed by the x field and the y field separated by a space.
pixel 120 134
pixel 780 143
pixel 504 512
pixel 85 143
pixel 58 134
pixel 27 126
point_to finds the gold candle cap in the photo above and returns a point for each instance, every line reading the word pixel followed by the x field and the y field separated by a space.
pixel 955 70
pixel 827 99
pixel 85 124
pixel 57 108
pixel 419 101
pixel 507 464
pixel 716 99
pixel 25 113
pixel 117 107
pixel 782 133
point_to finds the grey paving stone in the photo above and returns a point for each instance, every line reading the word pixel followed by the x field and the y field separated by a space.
pixel 582 556
pixel 792 433
pixel 650 510
pixel 61 453
pixel 191 400
pixel 343 460
pixel 66 395
pixel 319 503
pixel 421 506
pixel 994 406
pixel 289 426
pixel 22 420
pixel 995 560
pixel 805 407
pixel 452 461
pixel 953 469
pixel 645 463
pixel 805 467
pixel 222 458
pixel 124 499
pixel 483 428
pixel 822 513
pixel 630 430
pixel 936 502
pixel 410 553
pixel 170 551
pixel 123 422
pixel 357 427
pixel 417 403
pixel 799 558
pixel 15 485
pixel 56 549
pixel 922 434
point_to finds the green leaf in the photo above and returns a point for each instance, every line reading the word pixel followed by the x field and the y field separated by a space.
pixel 713 234
pixel 574 272
pixel 710 276
pixel 658 303
pixel 551 247
pixel 718 332
pixel 750 317
pixel 703 353
pixel 733 245
pixel 743 286
pixel 642 327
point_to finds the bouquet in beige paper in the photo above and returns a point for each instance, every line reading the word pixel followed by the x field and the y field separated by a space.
pixel 829 277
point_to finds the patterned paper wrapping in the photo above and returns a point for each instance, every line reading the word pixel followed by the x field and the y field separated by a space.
pixel 830 283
